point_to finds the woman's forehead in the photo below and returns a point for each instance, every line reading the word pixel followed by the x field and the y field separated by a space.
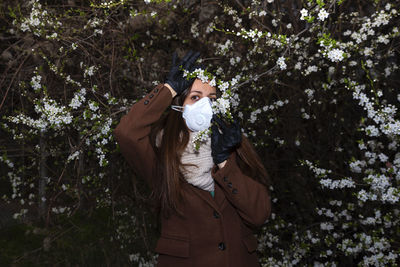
pixel 198 85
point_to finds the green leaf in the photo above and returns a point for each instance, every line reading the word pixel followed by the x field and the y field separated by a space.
pixel 11 13
pixel 320 3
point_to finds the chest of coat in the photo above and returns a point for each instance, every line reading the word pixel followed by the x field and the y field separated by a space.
pixel 206 220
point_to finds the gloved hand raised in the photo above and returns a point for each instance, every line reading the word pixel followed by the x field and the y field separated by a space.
pixel 175 76
pixel 222 144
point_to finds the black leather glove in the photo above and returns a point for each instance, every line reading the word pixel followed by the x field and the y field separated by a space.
pixel 175 76
pixel 222 144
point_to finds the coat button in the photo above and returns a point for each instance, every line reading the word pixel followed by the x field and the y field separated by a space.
pixel 216 215
pixel 225 179
pixel 234 191
pixel 146 102
pixel 151 96
pixel 230 185
pixel 221 246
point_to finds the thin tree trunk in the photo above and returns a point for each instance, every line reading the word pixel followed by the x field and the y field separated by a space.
pixel 80 175
pixel 43 176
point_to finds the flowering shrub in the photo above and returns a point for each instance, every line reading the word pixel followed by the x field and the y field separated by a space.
pixel 314 84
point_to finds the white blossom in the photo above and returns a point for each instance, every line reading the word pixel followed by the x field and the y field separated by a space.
pixel 335 55
pixel 281 63
pixel 322 14
pixel 35 82
pixel 304 13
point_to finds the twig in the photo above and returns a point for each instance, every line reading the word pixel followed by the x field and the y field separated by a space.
pixel 12 80
pixel 112 65
pixel 270 70
pixel 259 22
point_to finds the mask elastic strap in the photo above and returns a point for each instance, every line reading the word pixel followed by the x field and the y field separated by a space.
pixel 177 108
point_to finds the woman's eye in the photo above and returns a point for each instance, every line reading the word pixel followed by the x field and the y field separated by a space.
pixel 195 97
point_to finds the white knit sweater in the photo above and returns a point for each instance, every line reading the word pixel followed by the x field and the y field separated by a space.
pixel 199 175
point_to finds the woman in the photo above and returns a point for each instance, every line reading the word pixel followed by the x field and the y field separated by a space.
pixel 209 200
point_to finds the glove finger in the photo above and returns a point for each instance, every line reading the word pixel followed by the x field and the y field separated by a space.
pixel 220 123
pixel 214 128
pixel 237 131
pixel 236 125
pixel 213 120
pixel 186 57
pixel 215 136
pixel 239 136
pixel 191 60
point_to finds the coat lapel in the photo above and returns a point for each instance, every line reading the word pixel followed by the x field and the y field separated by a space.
pixel 219 196
pixel 216 202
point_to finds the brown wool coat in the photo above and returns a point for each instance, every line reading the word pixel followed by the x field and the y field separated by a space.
pixel 214 231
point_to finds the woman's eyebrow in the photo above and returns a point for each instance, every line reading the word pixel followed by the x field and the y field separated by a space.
pixel 200 92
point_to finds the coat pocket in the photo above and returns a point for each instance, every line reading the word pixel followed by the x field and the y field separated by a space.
pixel 250 242
pixel 173 246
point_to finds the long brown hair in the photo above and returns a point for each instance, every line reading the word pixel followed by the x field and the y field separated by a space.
pixel 167 188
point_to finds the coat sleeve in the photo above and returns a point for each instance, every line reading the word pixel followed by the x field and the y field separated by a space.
pixel 132 132
pixel 250 198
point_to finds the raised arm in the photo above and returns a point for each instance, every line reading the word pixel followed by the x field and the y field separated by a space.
pixel 132 132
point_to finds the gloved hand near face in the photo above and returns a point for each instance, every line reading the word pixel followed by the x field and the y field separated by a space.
pixel 224 142
pixel 175 76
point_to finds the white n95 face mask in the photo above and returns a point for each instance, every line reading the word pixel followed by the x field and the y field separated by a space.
pixel 198 115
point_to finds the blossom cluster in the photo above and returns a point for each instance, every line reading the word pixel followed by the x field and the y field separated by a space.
pixel 52 116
